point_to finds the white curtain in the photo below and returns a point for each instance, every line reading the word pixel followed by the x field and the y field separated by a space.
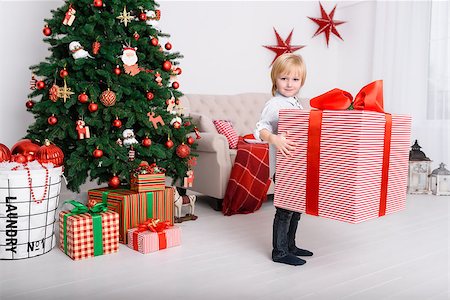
pixel 409 54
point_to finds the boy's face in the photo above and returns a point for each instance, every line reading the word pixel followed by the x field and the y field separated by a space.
pixel 289 85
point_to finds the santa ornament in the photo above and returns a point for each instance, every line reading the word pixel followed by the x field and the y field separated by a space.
pixel 130 59
pixel 128 137
pixel 69 17
pixel 78 51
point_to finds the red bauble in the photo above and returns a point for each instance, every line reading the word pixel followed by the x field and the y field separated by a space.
pixel 97 153
pixel 187 123
pixel 49 153
pixel 146 142
pixel 108 98
pixel 154 41
pixel 168 46
pixel 93 107
pixel 29 104
pixel 167 65
pixel 5 153
pixel 40 84
pixel 117 123
pixel 19 158
pixel 117 70
pixel 47 31
pixel 150 96
pixel 114 182
pixel 142 16
pixel 83 98
pixel 183 151
pixel 169 143
pixel 176 125
pixel 98 3
pixel 25 147
pixel 178 71
pixel 190 140
pixel 175 85
pixel 63 73
pixel 52 120
pixel 29 157
pixel 136 36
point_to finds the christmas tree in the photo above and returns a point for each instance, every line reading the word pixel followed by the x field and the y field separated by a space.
pixel 108 92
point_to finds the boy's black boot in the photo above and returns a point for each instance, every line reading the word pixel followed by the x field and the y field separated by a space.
pixel 291 237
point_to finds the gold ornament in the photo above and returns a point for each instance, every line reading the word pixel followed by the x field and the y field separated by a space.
pixel 65 92
pixel 125 17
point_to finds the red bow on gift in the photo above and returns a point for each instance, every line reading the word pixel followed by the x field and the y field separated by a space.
pixel 154 225
pixel 369 97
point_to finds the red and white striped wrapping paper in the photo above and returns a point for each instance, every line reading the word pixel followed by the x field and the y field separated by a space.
pixel 351 159
pixel 148 241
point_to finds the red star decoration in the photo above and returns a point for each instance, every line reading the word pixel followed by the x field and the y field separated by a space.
pixel 327 24
pixel 283 46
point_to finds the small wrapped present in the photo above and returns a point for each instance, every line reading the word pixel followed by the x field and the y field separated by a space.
pixel 86 232
pixel 154 235
pixel 148 178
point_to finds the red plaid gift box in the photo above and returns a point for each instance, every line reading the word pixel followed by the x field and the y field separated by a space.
pixel 80 234
pixel 146 239
pixel 349 165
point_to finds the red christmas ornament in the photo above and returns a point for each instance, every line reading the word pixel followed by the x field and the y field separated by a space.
pixel 167 65
pixel 25 147
pixel 283 46
pixel 117 123
pixel 183 150
pixel 63 73
pixel 29 104
pixel 96 46
pixel 136 36
pixel 168 46
pixel 5 153
pixel 50 153
pixel 114 182
pixel 154 41
pixel 93 107
pixel 97 153
pixel 190 140
pixel 187 123
pixel 142 16
pixel 53 93
pixel 83 98
pixel 146 142
pixel 150 96
pixel 30 157
pixel 19 158
pixel 175 85
pixel 40 84
pixel 176 125
pixel 52 120
pixel 98 3
pixel 108 98
pixel 327 24
pixel 47 31
pixel 169 143
pixel 117 70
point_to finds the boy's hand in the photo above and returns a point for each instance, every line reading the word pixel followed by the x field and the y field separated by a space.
pixel 284 145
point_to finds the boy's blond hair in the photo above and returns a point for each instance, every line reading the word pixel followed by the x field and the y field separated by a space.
pixel 287 63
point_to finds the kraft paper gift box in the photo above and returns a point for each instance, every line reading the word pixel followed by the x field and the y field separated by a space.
pixel 147 178
pixel 349 165
pixel 88 232
pixel 147 238
pixel 135 208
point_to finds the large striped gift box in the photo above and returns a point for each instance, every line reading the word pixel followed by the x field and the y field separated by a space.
pixel 135 208
pixel 148 182
pixel 148 241
pixel 350 163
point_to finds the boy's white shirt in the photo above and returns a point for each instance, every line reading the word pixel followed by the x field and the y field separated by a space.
pixel 269 120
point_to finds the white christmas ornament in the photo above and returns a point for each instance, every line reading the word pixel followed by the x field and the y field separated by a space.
pixel 129 56
pixel 128 137
pixel 176 119
pixel 78 51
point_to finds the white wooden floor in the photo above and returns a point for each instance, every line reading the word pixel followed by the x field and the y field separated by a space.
pixel 401 256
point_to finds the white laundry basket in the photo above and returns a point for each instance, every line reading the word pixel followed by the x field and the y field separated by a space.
pixel 28 215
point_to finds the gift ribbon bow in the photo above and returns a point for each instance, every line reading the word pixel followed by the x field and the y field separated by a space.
pixel 153 225
pixel 368 98
pixel 95 211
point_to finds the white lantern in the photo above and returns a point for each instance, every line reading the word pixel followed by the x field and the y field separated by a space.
pixel 419 170
pixel 440 181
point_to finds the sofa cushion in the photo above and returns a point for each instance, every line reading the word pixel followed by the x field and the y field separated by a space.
pixel 226 128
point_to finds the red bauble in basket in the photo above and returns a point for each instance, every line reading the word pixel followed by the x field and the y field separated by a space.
pixel 108 98
pixel 5 153
pixel 183 150
pixel 25 147
pixel 50 153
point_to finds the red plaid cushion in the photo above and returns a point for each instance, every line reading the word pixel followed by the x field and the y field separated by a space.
pixel 226 128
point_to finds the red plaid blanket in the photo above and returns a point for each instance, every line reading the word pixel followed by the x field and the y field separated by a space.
pixel 249 179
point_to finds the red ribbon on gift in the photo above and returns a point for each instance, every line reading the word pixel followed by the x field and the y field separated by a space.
pixel 153 225
pixel 369 98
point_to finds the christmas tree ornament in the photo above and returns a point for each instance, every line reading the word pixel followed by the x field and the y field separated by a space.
pixel 96 47
pixel 78 51
pixel 190 140
pixel 155 120
pixel 125 17
pixel 47 30
pixel 326 24
pixel 65 92
pixel 153 18
pixel 129 59
pixel 283 46
pixel 171 105
pixel 5 153
pixel 97 153
pixel 108 98
pixel 63 73
pixel 52 120
pixel 158 78
pixel 178 71
pixel 25 147
pixel 142 16
pixel 98 3
pixel 146 142
pixel 187 123
pixel 29 104
pixel 175 85
pixel 154 41
pixel 119 142
pixel 53 93
pixel 93 107
pixel 83 98
pixel 117 70
pixel 50 153
pixel 29 157
pixel 149 96
pixel 176 122
pixel 168 46
pixel 136 35
pixel 40 85
pixel 188 181
pixel 33 82
pixel 69 17
pixel 117 123
pixel 82 130
pixel 197 133
pixel 169 143
pixel 128 137
pixel 114 182
pixel 19 158
pixel 183 150
pixel 131 154
pixel 167 65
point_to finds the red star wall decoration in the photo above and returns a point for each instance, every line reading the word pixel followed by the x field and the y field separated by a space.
pixel 327 24
pixel 283 46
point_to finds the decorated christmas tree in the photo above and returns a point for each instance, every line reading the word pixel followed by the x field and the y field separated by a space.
pixel 108 93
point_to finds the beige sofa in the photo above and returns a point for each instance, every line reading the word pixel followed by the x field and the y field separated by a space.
pixel 215 159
